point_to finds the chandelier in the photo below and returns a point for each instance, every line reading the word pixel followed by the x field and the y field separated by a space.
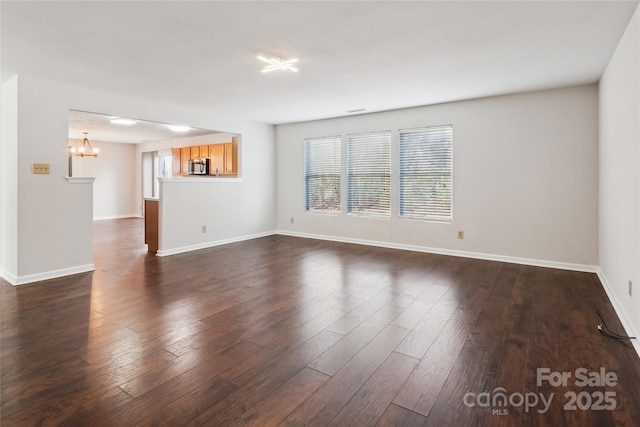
pixel 86 149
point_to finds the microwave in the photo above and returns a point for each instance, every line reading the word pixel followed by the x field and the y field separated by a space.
pixel 198 167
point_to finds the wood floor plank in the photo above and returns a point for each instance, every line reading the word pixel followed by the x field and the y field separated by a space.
pixel 468 374
pixel 422 388
pixel 355 317
pixel 369 403
pixel 35 388
pixel 426 331
pixel 246 370
pixel 325 403
pixel 395 416
pixel 267 380
pixel 187 390
pixel 183 409
pixel 94 411
pixel 93 380
pixel 100 348
pixel 177 366
pixel 283 400
pixel 290 422
pixel 333 359
pixel 410 317
pixel 299 329
pixel 511 377
pixel 93 407
pixel 232 329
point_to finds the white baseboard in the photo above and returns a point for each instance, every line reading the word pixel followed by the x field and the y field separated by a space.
pixel 167 252
pixel 452 252
pixel 101 218
pixel 9 277
pixel 53 274
pixel 628 326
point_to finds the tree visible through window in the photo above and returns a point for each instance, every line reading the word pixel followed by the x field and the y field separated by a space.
pixel 426 169
pixel 369 173
pixel 322 161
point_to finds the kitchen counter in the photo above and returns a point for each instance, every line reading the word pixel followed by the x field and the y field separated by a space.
pixel 201 178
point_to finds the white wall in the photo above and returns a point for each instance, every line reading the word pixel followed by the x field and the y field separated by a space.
pixel 53 217
pixel 222 205
pixel 54 227
pixel 619 177
pixel 114 191
pixel 525 178
pixel 8 180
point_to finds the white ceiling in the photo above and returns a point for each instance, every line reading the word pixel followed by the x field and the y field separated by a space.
pixel 352 54
pixel 100 128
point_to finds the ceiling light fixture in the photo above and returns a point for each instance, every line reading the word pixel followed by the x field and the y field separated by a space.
pixel 176 128
pixel 86 149
pixel 278 64
pixel 359 110
pixel 122 121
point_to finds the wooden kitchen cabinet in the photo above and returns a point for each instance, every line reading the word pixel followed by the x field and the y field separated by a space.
pixel 204 151
pixel 222 157
pixel 216 159
pixel 230 158
pixel 185 156
pixel 175 161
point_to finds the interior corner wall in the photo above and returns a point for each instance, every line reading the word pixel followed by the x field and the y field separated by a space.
pixel 619 207
pixel 8 180
pixel 525 179
pixel 114 194
pixel 54 234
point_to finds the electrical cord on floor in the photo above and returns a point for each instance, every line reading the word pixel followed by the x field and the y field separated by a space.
pixel 604 330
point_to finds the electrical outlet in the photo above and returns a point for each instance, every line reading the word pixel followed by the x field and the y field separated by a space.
pixel 204 228
pixel 460 234
pixel 630 288
pixel 40 168
pixel 291 220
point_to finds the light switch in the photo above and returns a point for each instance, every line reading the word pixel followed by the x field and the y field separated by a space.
pixel 40 168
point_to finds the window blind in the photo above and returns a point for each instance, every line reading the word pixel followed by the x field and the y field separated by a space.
pixel 425 174
pixel 322 160
pixel 369 173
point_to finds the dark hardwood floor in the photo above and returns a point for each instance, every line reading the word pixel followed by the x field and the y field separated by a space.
pixel 283 331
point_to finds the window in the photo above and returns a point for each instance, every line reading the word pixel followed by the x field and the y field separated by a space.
pixel 164 160
pixel 369 173
pixel 322 174
pixel 426 159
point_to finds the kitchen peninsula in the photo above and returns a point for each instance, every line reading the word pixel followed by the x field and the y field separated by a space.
pixel 194 205
pixel 151 224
